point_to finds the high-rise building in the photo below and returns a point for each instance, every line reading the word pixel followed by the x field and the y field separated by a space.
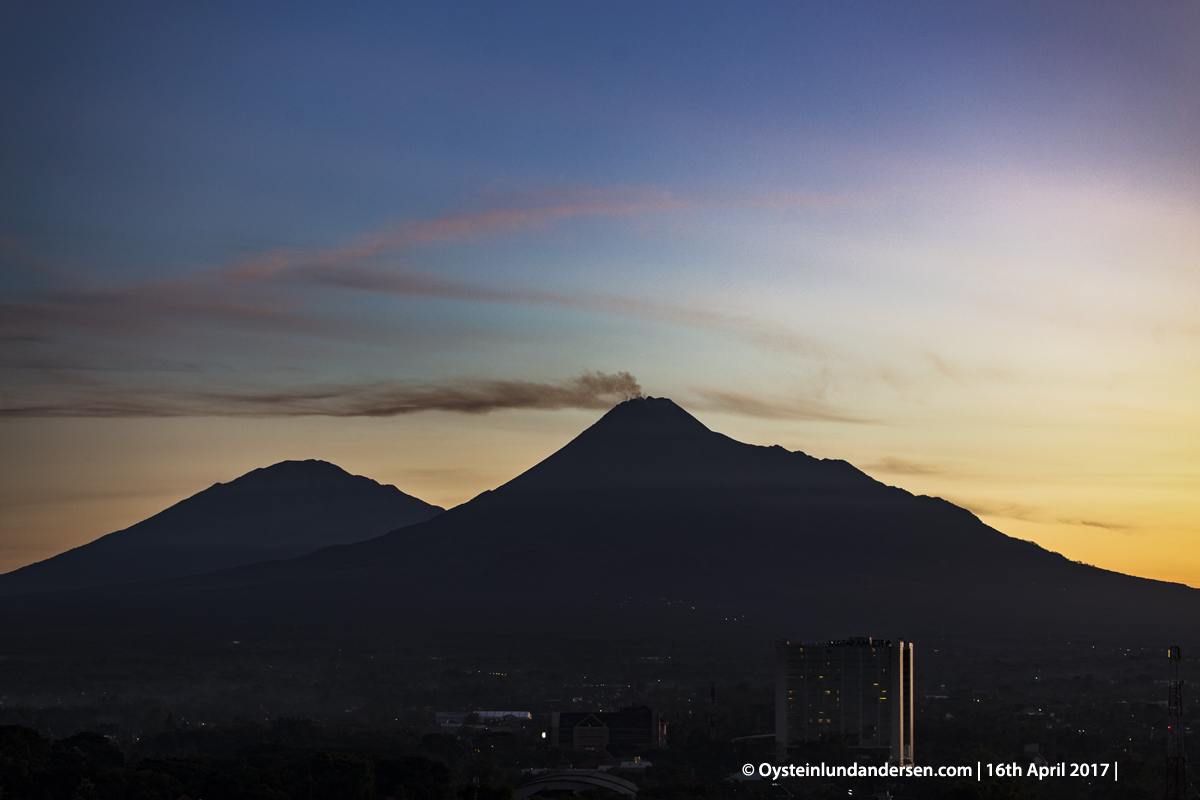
pixel 860 688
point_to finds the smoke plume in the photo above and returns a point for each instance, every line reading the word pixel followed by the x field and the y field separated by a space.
pixel 591 390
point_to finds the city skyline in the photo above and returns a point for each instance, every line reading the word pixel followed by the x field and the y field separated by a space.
pixel 956 247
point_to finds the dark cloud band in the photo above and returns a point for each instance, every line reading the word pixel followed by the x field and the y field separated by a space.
pixel 591 390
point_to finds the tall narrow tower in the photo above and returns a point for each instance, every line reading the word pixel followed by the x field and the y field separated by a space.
pixel 712 712
pixel 1176 756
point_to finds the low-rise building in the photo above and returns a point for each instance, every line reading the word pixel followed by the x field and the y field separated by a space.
pixel 637 727
pixel 453 720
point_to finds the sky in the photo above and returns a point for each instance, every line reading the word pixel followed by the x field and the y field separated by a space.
pixel 956 244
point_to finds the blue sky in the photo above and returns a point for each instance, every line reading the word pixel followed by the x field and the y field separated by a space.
pixel 956 244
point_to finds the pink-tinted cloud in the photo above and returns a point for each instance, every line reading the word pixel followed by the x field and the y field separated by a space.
pixel 13 251
pixel 523 211
pixel 267 291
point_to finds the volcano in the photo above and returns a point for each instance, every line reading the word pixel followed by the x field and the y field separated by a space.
pixel 281 511
pixel 650 521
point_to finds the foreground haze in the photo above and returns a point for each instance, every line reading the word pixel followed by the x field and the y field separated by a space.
pixel 956 246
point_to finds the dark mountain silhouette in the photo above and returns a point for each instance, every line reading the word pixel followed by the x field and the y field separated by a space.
pixel 281 511
pixel 650 523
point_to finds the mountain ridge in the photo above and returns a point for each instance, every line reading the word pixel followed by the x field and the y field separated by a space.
pixel 281 511
pixel 649 507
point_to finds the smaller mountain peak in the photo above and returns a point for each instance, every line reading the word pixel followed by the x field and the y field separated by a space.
pixel 294 474
pixel 310 466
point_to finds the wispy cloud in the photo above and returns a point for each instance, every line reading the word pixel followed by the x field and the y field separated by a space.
pixel 154 308
pixel 271 291
pixel 1090 523
pixel 1005 510
pixel 289 293
pixel 591 390
pixel 514 213
pixel 12 251
pixel 750 406
pixel 1027 513
pixel 901 466
pixel 61 365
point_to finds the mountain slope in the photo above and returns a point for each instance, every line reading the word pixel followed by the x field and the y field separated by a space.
pixel 281 511
pixel 650 504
